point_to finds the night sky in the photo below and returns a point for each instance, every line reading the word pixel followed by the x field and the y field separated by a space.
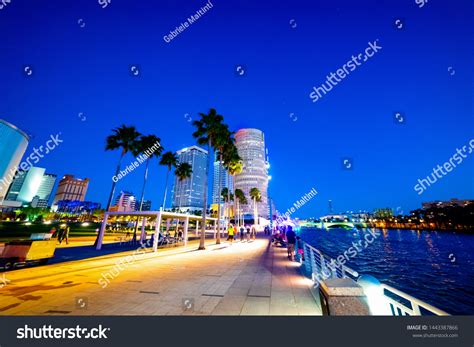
pixel 81 86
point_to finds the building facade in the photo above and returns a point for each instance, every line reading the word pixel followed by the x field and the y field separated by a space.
pixel 13 144
pixel 251 148
pixel 125 202
pixel 77 207
pixel 41 199
pixel 226 182
pixel 70 188
pixel 188 194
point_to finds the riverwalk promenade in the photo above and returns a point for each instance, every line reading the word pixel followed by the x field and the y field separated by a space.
pixel 252 278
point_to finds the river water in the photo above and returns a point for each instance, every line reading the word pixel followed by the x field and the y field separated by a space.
pixel 436 267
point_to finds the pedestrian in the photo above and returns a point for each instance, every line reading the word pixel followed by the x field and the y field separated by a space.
pixel 300 247
pixel 254 231
pixel 290 242
pixel 66 234
pixel 248 233
pixel 52 232
pixel 61 234
pixel 242 233
pixel 230 234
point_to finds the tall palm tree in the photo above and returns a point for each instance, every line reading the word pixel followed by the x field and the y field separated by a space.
pixel 241 200
pixel 124 138
pixel 221 142
pixel 227 156
pixel 256 197
pixel 234 166
pixel 168 159
pixel 208 128
pixel 143 145
pixel 227 196
pixel 182 172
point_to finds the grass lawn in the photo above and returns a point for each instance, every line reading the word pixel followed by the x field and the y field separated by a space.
pixel 19 230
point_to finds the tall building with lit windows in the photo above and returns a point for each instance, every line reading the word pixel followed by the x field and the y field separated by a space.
pixel 188 194
pixel 226 182
pixel 33 186
pixel 251 147
pixel 13 143
pixel 70 188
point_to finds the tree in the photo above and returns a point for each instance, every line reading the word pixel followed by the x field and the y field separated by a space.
pixel 144 144
pixel 169 159
pixel 182 172
pixel 234 164
pixel 241 200
pixel 208 127
pixel 256 197
pixel 124 138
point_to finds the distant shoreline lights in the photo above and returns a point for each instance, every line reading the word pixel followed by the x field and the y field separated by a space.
pixel 190 20
pixel 138 161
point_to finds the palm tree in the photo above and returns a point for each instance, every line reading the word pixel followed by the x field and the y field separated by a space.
pixel 257 197
pixel 241 200
pixel 168 159
pixel 142 146
pixel 227 196
pixel 234 165
pixel 221 142
pixel 182 172
pixel 207 129
pixel 124 138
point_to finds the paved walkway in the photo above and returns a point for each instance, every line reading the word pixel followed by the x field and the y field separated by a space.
pixel 241 279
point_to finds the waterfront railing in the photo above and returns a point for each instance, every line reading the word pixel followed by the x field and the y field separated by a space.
pixel 320 267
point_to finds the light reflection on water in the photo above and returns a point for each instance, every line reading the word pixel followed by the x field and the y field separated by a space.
pixel 416 262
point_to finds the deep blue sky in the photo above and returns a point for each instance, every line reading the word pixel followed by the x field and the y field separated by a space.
pixel 87 70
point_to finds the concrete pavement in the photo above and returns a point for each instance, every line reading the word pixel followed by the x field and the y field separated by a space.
pixel 240 279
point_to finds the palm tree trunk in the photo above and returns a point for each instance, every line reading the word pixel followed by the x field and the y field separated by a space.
pixel 166 189
pixel 112 191
pixel 202 240
pixel 218 238
pixel 141 199
pixel 228 196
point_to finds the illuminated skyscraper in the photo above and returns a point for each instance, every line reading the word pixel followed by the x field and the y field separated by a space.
pixel 125 202
pixel 71 188
pixel 225 183
pixel 251 147
pixel 189 193
pixel 13 143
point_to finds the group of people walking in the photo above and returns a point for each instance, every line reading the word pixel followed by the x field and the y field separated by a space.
pixel 246 232
pixel 62 234
pixel 286 236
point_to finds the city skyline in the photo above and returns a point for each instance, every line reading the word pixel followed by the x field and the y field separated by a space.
pixel 308 142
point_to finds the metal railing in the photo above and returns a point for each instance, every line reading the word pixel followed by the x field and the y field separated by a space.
pixel 321 267
pixel 403 304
